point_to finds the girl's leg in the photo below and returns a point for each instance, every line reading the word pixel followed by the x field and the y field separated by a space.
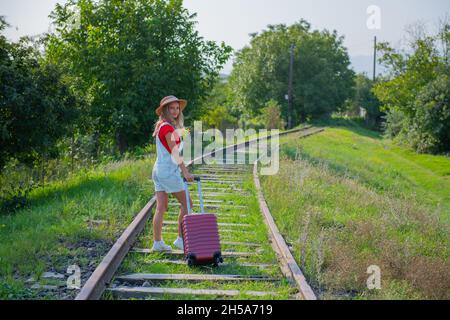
pixel 162 202
pixel 181 197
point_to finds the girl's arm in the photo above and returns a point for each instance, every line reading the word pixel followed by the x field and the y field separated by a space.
pixel 176 155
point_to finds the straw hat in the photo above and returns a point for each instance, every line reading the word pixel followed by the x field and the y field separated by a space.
pixel 170 99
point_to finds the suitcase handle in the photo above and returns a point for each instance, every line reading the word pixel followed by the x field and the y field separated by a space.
pixel 186 189
pixel 195 179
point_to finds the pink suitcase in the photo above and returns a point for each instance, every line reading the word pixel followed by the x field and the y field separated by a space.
pixel 200 234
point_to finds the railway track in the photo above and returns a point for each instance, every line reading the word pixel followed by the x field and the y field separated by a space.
pixel 258 263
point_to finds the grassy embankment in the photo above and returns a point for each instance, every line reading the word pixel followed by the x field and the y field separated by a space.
pixel 347 198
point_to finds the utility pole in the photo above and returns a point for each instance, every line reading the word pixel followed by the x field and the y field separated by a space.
pixel 291 69
pixel 374 57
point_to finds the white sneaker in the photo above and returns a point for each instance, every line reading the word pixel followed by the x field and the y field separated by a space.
pixel 161 246
pixel 179 243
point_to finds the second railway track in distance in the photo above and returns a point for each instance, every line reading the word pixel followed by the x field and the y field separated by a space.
pixel 257 262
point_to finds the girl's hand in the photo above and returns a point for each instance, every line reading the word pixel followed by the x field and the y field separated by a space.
pixel 189 177
pixel 185 132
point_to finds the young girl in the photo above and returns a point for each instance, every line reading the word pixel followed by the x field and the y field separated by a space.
pixel 168 166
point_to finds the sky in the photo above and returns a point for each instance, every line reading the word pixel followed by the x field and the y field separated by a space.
pixel 232 21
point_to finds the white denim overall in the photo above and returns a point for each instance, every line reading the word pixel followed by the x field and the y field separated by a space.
pixel 166 173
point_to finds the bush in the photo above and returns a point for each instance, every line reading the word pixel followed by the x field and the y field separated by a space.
pixel 16 181
pixel 431 124
pixel 272 115
pixel 141 152
pixel 365 99
pixel 416 95
pixel 253 123
pixel 394 122
pixel 219 118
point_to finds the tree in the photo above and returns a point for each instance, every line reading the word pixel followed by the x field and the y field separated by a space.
pixel 364 98
pixel 322 77
pixel 417 90
pixel 36 104
pixel 220 118
pixel 127 54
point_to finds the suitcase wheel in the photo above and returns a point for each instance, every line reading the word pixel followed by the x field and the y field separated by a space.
pixel 190 259
pixel 217 258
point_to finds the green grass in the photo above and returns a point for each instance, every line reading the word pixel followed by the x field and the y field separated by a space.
pixel 54 231
pixel 346 198
pixel 379 164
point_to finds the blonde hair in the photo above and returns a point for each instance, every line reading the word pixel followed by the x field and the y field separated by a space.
pixel 178 123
